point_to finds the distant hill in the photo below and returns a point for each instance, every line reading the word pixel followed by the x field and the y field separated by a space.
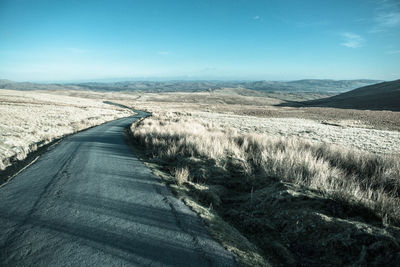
pixel 154 86
pixel 315 86
pixel 309 85
pixel 7 84
pixel 381 96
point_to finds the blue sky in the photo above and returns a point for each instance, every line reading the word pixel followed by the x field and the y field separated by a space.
pixel 203 39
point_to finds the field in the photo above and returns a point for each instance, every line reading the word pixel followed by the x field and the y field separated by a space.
pixel 296 182
pixel 30 120
pixel 276 185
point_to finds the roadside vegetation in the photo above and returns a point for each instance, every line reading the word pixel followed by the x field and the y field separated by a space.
pixel 300 202
pixel 30 120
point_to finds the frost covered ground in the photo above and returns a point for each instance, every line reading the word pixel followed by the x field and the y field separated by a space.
pixel 345 133
pixel 31 119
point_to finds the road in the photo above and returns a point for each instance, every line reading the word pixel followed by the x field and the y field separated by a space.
pixel 89 201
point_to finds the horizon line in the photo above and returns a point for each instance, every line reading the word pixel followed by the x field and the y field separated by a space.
pixel 178 79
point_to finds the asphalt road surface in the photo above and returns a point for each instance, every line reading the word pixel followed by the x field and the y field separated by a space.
pixel 89 201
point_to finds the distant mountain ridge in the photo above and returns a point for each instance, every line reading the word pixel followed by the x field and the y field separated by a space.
pixel 307 85
pixel 381 96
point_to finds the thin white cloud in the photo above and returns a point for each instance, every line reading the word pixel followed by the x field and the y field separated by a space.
pixel 393 52
pixel 388 19
pixel 387 16
pixel 163 53
pixel 352 40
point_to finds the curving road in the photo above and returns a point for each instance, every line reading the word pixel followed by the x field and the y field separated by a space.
pixel 89 201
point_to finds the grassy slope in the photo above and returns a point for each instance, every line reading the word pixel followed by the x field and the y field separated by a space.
pixel 381 96
pixel 300 203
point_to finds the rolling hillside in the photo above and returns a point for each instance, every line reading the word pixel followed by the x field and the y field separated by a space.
pixel 381 96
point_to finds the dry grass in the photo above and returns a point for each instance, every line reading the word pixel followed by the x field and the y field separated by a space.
pixel 181 175
pixel 258 172
pixel 376 119
pixel 254 104
pixel 31 119
pixel 346 133
pixel 372 131
pixel 372 179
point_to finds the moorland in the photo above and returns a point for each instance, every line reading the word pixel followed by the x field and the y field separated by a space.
pixel 279 173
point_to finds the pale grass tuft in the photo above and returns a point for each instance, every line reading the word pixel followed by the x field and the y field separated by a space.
pixel 182 175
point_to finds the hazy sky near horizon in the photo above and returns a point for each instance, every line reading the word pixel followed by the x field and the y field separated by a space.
pixel 204 39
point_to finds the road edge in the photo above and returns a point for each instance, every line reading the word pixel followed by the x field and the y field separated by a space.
pixel 17 166
pixel 245 253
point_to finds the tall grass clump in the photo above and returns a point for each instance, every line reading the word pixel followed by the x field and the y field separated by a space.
pixel 181 175
pixel 368 179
